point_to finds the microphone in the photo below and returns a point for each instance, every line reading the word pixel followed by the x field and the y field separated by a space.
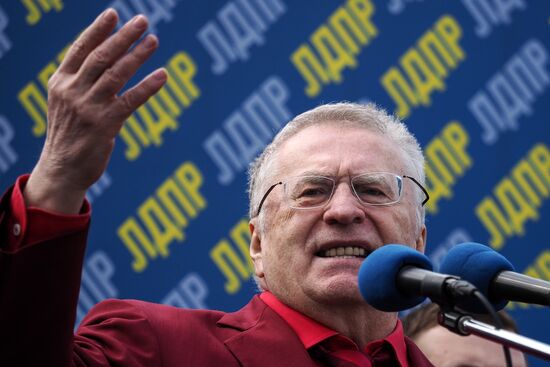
pixel 396 277
pixel 494 275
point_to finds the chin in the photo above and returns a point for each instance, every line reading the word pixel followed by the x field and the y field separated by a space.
pixel 339 291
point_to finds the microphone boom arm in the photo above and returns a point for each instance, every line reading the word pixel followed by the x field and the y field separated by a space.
pixel 466 325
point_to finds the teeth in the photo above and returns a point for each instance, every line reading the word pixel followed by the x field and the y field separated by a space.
pixel 347 252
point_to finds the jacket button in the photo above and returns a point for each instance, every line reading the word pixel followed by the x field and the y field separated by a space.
pixel 16 229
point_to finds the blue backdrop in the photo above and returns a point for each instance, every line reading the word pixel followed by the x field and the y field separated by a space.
pixel 471 79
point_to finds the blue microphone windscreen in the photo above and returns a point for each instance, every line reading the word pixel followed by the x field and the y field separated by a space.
pixel 479 265
pixel 378 277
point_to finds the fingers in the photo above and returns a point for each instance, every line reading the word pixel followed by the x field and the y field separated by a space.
pixel 139 94
pixel 107 53
pixel 114 78
pixel 92 36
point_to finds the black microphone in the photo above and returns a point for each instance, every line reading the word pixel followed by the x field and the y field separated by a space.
pixel 494 275
pixel 396 277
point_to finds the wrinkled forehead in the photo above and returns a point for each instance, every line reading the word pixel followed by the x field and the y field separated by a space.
pixel 339 149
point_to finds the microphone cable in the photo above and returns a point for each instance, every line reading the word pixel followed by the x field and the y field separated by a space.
pixel 497 321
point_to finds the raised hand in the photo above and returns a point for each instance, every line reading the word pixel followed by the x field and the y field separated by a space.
pixel 85 113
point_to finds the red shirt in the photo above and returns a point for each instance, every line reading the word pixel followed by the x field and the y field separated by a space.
pixel 311 333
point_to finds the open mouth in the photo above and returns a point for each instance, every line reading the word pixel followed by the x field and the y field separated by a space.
pixel 344 252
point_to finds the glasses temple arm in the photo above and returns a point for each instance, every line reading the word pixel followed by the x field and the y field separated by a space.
pixel 421 188
pixel 265 196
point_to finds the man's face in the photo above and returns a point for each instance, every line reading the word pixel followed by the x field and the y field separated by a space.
pixel 290 254
pixel 446 349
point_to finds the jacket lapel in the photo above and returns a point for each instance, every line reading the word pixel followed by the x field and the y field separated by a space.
pixel 265 339
pixel 415 356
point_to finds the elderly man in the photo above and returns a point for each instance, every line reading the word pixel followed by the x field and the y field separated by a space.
pixel 337 182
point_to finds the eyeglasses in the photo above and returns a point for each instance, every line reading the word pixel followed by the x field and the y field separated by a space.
pixel 373 188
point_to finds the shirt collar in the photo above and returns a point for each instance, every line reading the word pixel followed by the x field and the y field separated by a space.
pixel 310 332
pixel 396 339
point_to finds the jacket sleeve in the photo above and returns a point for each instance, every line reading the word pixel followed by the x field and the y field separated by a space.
pixel 39 284
pixel 116 333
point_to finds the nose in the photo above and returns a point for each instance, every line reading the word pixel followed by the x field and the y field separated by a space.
pixel 344 207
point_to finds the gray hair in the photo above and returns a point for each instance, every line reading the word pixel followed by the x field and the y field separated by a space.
pixel 370 117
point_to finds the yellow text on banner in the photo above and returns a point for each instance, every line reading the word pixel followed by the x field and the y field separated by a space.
pixel 335 45
pixel 516 197
pixel 232 257
pixel 447 159
pixel 425 67
pixel 35 8
pixel 162 217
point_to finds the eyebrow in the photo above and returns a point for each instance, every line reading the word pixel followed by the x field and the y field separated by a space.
pixel 314 173
pixel 372 178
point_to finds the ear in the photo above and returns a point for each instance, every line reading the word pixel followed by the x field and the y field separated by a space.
pixel 256 248
pixel 421 240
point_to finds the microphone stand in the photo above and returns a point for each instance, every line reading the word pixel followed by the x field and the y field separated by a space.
pixel 466 325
